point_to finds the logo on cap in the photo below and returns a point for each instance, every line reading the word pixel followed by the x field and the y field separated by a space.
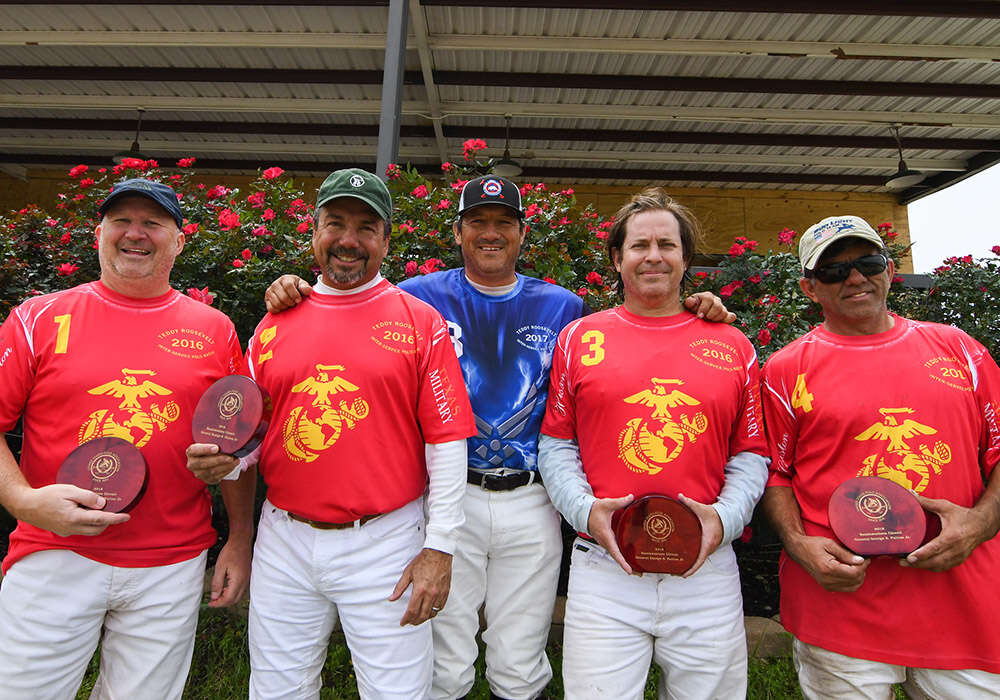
pixel 357 181
pixel 832 228
pixel 492 188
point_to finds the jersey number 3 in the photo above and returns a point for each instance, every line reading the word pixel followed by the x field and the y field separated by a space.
pixel 595 342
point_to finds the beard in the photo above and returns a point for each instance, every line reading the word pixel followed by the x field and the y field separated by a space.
pixel 346 275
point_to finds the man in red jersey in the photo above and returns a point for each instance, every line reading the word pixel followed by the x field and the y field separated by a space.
pixel 647 398
pixel 370 410
pixel 126 357
pixel 869 393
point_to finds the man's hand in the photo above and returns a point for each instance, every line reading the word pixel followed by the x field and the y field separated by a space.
pixel 962 530
pixel 205 462
pixel 704 305
pixel 599 526
pixel 711 530
pixel 65 510
pixel 232 574
pixel 833 566
pixel 430 574
pixel 285 292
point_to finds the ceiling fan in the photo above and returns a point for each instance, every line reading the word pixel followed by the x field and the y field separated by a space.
pixel 904 177
pixel 133 151
pixel 507 166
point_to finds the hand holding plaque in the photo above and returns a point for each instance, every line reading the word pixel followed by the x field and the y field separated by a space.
pixel 872 516
pixel 110 467
pixel 657 534
pixel 233 413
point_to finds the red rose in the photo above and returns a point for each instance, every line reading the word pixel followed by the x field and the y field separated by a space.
pixel 228 220
pixel 202 295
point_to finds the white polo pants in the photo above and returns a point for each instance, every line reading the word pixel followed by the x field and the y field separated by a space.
pixel 303 578
pixel 56 605
pixel 827 675
pixel 616 623
pixel 508 555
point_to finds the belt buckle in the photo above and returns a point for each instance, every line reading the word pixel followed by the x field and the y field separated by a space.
pixel 495 482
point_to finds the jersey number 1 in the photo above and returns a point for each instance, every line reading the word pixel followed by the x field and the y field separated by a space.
pixel 62 335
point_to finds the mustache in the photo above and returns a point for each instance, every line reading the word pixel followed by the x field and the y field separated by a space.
pixel 343 251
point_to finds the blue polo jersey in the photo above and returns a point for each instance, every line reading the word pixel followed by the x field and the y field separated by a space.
pixel 504 345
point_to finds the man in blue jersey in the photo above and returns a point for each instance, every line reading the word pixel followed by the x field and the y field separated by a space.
pixel 504 327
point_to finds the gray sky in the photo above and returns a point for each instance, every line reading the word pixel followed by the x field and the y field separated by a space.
pixel 960 220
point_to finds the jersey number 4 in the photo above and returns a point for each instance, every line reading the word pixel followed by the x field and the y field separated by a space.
pixel 801 398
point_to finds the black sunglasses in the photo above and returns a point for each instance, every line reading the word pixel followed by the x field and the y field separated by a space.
pixel 867 265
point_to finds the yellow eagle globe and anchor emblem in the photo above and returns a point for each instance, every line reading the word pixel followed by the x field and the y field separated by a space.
pixel 646 445
pixel 308 430
pixel 130 420
pixel 910 468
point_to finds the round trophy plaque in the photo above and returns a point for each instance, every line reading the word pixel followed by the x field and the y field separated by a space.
pixel 659 535
pixel 872 516
pixel 233 413
pixel 109 466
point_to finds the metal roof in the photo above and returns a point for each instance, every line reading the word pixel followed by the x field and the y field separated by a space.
pixel 692 93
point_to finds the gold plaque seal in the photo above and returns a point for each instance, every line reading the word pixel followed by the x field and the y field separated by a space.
pixel 104 465
pixel 872 505
pixel 230 404
pixel 659 526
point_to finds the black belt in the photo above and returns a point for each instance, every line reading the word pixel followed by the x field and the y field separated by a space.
pixel 504 482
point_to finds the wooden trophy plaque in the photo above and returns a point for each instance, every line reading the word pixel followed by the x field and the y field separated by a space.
pixel 109 466
pixel 233 413
pixel 872 516
pixel 657 534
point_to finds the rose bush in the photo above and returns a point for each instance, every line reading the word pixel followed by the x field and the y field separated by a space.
pixel 240 239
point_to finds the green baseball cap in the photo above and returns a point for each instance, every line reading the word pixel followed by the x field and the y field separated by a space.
pixel 360 184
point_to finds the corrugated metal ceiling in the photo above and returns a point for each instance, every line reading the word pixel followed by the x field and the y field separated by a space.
pixel 276 45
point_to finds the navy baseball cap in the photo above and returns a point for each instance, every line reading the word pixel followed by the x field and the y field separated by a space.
pixel 162 194
pixel 490 189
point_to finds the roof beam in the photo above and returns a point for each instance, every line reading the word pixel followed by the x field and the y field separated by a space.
pixel 582 81
pixel 936 183
pixel 419 22
pixel 714 47
pixel 905 8
pixel 184 148
pixel 478 42
pixel 653 113
pixel 657 136
pixel 564 174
